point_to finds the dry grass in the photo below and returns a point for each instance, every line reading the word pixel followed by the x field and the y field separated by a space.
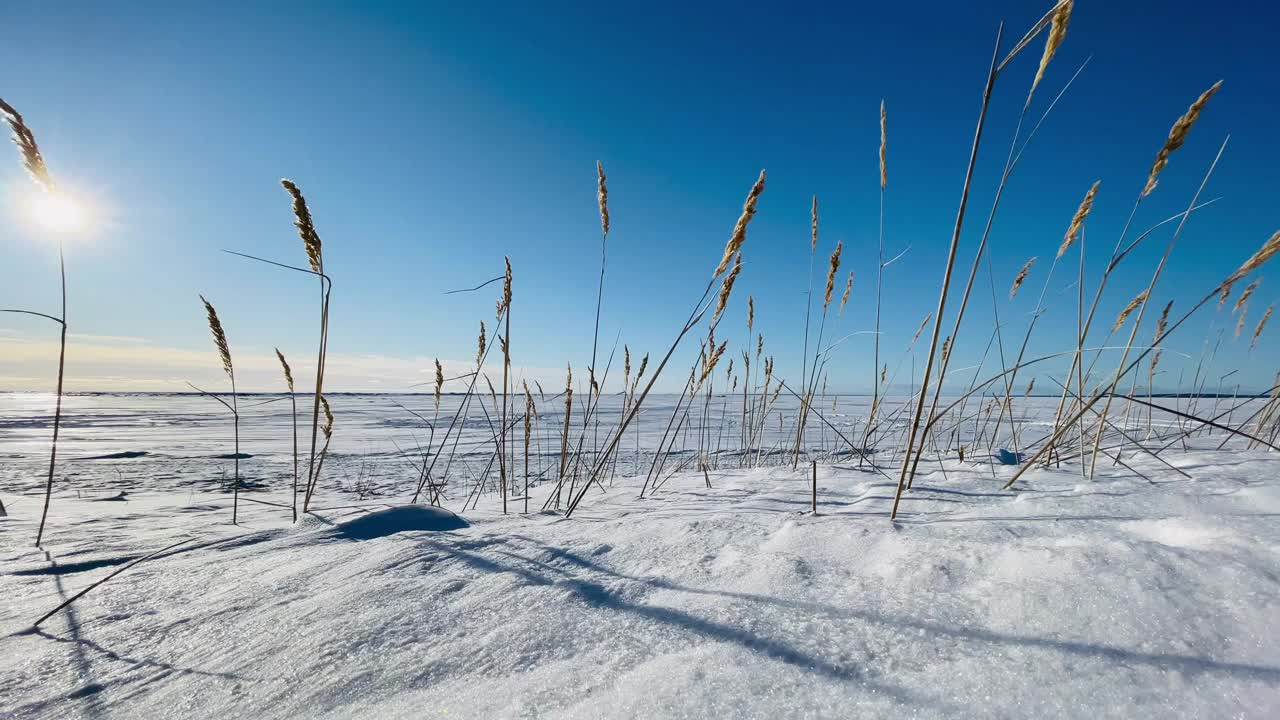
pixel 1177 136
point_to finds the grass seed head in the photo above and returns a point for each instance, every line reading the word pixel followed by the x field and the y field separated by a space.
pixel 1261 324
pixel 219 338
pixel 1128 309
pixel 328 418
pixel 602 197
pixel 439 382
pixel 1022 276
pixel 32 160
pixel 831 274
pixel 1244 296
pixel 1077 220
pixel 1057 33
pixel 306 226
pixel 739 235
pixel 1177 136
pixel 288 372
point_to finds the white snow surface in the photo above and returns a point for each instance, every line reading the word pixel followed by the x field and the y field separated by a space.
pixel 1121 597
pixel 1115 599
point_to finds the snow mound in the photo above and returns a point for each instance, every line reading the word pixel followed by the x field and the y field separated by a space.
pixel 406 518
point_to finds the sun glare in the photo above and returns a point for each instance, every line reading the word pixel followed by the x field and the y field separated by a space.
pixel 56 212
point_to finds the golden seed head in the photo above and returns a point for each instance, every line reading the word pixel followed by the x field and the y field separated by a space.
pixel 1077 220
pixel 1022 276
pixel 219 338
pixel 288 372
pixel 813 216
pixel 726 287
pixel 1162 322
pixel 1257 260
pixel 751 312
pixel 919 330
pixel 439 382
pixel 1128 309
pixel 1240 323
pixel 1244 296
pixel 32 160
pixel 602 196
pixel 1057 33
pixel 848 287
pixel 1177 136
pixel 739 235
pixel 1261 324
pixel 328 418
pixel 480 342
pixel 831 274
pixel 306 227
pixel 506 285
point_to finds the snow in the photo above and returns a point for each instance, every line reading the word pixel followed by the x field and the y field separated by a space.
pixel 1122 597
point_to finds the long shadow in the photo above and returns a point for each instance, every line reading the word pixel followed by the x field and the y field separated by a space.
pixel 88 692
pixel 596 595
pixel 136 662
pixel 1182 663
pixel 66 569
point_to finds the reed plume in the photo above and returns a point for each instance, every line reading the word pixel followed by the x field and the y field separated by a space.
pixel 1244 311
pixel 1161 324
pixel 1057 33
pixel 1022 276
pixel 726 288
pixel 602 197
pixel 644 364
pixel 626 367
pixel 739 235
pixel 1257 260
pixel 813 215
pixel 288 372
pixel 306 227
pixel 1077 220
pixel 439 383
pixel 831 274
pixel 751 314
pixel 480 345
pixel 327 429
pixel 1133 305
pixel 219 338
pixel 1261 324
pixel 32 160
pixel 1177 136
pixel 848 287
pixel 1244 296
pixel 1030 386
pixel 916 337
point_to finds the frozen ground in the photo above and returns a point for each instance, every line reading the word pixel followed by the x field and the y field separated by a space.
pixel 1122 597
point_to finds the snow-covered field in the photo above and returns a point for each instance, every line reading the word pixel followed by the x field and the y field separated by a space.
pixel 1123 597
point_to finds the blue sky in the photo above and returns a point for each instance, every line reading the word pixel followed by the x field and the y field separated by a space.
pixel 433 139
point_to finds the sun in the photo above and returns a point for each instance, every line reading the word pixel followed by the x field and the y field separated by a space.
pixel 56 212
